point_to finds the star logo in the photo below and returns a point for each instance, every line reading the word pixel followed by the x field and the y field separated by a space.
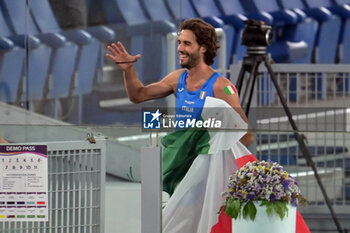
pixel 156 115
pixel 151 120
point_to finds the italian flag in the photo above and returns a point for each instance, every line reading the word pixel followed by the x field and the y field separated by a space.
pixel 196 168
pixel 230 90
pixel 202 95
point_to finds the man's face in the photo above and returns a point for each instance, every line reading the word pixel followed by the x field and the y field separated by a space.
pixel 188 49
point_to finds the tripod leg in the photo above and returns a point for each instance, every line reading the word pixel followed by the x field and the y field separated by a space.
pixel 240 78
pixel 254 74
pixel 301 142
pixel 254 67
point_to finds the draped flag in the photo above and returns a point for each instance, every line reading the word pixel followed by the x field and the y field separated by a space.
pixel 196 168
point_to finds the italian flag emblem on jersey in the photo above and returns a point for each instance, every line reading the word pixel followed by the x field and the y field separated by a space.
pixel 230 90
pixel 202 95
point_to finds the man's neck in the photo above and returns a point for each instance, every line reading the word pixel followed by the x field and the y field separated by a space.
pixel 199 72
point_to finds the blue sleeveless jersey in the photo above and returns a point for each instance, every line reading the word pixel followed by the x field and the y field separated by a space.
pixel 189 104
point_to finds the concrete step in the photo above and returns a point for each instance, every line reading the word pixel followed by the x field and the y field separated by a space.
pixel 122 206
pixel 323 223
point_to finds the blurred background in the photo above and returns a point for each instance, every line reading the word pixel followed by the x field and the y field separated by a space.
pixel 57 87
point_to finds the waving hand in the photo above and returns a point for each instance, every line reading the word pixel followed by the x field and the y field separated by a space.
pixel 120 56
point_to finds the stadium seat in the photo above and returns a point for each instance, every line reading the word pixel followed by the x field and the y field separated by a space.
pixel 233 13
pixel 342 2
pixel 37 61
pixel 232 19
pixel 156 10
pixel 291 44
pixel 342 11
pixel 61 57
pixel 75 58
pixel 326 38
pixel 181 10
pixel 328 28
pixel 286 47
pixel 140 32
pixel 89 42
pixel 12 63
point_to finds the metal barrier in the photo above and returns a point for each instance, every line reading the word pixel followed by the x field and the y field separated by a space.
pixel 328 140
pixel 76 190
pixel 303 84
pixel 318 96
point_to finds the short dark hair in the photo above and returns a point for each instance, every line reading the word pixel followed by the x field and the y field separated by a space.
pixel 205 36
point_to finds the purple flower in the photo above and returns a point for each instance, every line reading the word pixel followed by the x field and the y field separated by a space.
pixel 272 197
pixel 250 195
pixel 264 181
pixel 285 183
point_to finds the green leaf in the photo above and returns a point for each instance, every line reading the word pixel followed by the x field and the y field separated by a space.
pixel 280 208
pixel 264 202
pixel 269 207
pixel 249 209
pixel 233 208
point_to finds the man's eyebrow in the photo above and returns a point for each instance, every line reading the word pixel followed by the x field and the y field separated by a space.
pixel 184 41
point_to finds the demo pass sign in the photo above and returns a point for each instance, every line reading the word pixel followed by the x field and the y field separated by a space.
pixel 23 183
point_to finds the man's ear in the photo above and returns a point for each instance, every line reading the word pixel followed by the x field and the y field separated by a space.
pixel 202 49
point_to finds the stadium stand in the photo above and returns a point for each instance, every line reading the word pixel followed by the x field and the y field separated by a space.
pixel 60 51
pixel 292 42
pixel 343 12
pixel 141 32
pixel 12 62
pixel 344 9
pixel 76 58
pixel 35 72
pixel 89 46
pixel 153 7
pixel 327 34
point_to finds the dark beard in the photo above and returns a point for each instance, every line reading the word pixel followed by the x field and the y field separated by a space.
pixel 193 60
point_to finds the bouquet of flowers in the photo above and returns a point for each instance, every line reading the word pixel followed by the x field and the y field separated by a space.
pixel 263 182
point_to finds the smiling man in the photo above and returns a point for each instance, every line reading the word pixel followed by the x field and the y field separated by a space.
pixel 197 46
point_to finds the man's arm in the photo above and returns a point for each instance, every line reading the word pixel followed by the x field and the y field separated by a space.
pixel 2 140
pixel 136 91
pixel 232 99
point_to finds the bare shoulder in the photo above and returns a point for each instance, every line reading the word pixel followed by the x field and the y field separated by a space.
pixel 175 74
pixel 225 90
pixel 220 84
pixel 172 78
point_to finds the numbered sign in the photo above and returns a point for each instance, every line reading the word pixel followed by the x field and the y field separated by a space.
pixel 23 183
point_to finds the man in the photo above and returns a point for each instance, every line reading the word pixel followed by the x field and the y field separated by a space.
pixel 197 46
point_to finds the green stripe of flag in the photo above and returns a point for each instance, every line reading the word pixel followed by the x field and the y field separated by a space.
pixel 230 90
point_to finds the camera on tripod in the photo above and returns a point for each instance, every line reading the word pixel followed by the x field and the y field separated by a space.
pixel 257 36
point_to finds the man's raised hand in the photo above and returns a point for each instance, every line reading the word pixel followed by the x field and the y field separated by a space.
pixel 120 56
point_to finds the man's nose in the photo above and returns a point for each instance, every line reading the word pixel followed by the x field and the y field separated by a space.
pixel 179 48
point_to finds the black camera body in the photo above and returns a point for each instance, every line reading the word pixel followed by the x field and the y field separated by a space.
pixel 257 34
